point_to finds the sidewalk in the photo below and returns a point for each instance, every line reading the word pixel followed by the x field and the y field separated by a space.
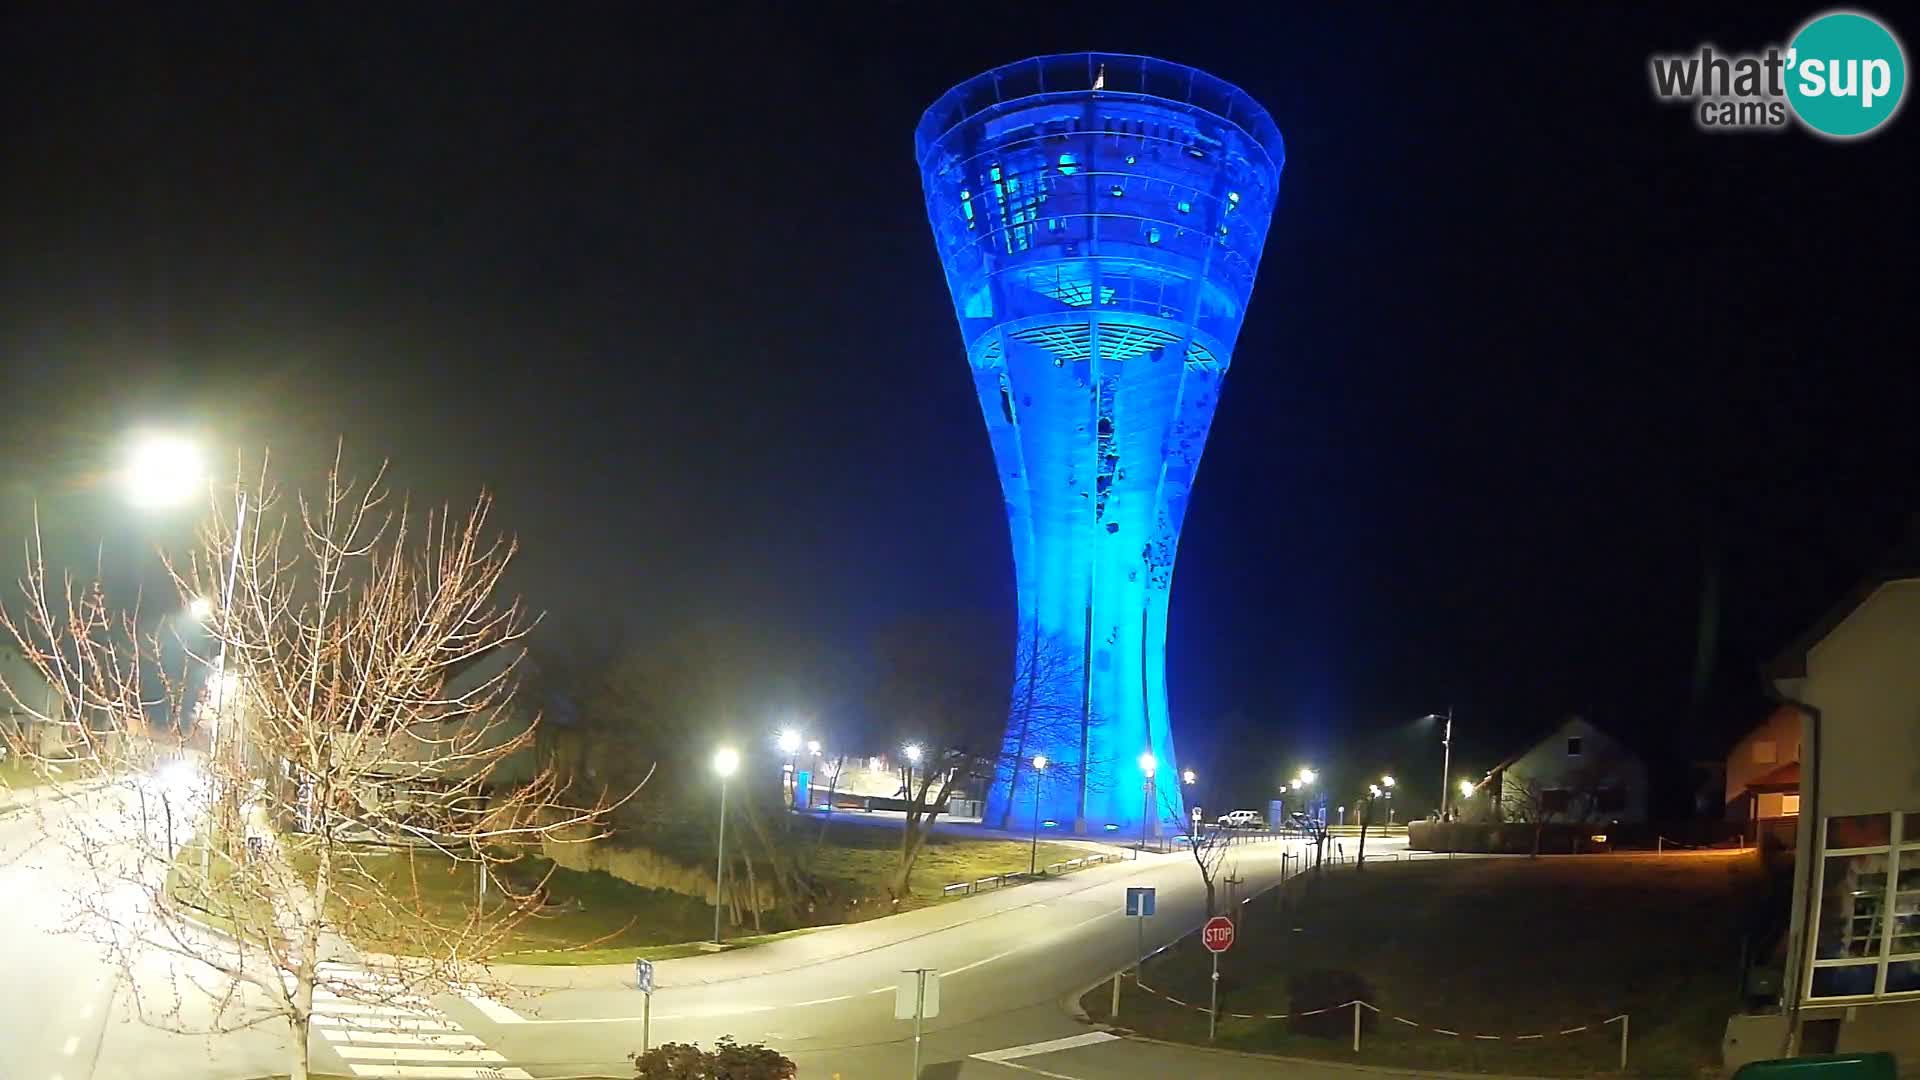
pixel 833 943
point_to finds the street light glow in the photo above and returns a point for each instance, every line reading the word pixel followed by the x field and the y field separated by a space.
pixel 1308 776
pixel 164 471
pixel 199 608
pixel 913 752
pixel 1147 763
pixel 789 741
pixel 1373 790
pixel 1387 780
pixel 1189 776
pixel 1040 762
pixel 1466 789
pixel 813 747
pixel 725 761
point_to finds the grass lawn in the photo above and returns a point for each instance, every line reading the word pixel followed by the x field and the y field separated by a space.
pixel 859 860
pixel 1495 946
pixel 594 918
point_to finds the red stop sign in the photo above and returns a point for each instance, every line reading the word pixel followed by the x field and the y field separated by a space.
pixel 1217 935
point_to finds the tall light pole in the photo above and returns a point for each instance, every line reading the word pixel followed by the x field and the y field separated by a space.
pixel 1387 783
pixel 1446 757
pixel 913 752
pixel 1147 765
pixel 1039 771
pixel 789 743
pixel 725 761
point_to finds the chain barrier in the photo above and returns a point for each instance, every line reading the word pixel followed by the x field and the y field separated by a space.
pixel 1170 999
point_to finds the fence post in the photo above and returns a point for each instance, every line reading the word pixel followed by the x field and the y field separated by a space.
pixel 1114 1011
pixel 1623 1039
pixel 1356 1025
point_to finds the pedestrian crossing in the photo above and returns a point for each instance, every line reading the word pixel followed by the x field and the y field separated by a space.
pixel 385 1034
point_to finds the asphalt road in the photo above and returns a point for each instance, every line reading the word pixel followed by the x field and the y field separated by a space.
pixel 1008 963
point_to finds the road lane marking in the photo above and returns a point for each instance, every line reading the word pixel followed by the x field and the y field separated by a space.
pixel 824 1001
pixel 1090 1038
pixel 440 1073
pixel 415 1054
pixel 73 1043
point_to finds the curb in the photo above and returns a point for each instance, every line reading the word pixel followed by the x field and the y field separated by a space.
pixel 1376 1070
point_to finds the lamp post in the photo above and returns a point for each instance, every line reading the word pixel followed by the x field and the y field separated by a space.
pixel 1039 771
pixel 1446 756
pixel 789 743
pixel 725 761
pixel 913 752
pixel 1387 783
pixel 1147 765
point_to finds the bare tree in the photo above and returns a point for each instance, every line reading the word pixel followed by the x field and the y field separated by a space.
pixel 1207 846
pixel 1039 717
pixel 1530 799
pixel 360 701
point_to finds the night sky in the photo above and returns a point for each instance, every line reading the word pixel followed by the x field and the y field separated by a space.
pixel 1529 357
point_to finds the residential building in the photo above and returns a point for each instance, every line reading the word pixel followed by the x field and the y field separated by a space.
pixel 1763 777
pixel 32 714
pixel 1853 959
pixel 1575 773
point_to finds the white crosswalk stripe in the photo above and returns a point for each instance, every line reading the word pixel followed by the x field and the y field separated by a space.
pixel 381 1032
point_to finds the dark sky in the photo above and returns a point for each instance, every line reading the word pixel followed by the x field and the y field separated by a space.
pixel 1527 351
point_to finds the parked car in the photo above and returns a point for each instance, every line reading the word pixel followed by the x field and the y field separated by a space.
pixel 1242 819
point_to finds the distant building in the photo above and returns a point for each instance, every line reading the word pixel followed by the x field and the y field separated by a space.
pixel 1853 959
pixel 1576 773
pixel 1763 776
pixel 32 714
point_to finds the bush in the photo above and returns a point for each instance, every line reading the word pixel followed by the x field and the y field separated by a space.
pixel 728 1060
pixel 1308 991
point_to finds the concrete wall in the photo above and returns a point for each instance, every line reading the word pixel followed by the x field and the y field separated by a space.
pixel 1601 756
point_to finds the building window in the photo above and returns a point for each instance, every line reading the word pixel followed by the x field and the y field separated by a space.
pixel 1789 805
pixel 1573 746
pixel 1867 926
pixel 1764 752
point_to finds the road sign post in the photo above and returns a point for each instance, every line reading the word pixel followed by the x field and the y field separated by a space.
pixel 917 997
pixel 643 982
pixel 1217 936
pixel 1139 909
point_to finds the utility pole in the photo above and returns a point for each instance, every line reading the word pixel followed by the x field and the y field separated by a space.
pixel 1446 765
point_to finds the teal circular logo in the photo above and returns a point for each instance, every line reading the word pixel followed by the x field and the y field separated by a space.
pixel 1845 74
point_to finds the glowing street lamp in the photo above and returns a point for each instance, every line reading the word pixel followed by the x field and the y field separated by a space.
pixel 788 741
pixel 199 608
pixel 1466 789
pixel 164 471
pixel 813 747
pixel 1147 766
pixel 1033 854
pixel 1188 777
pixel 1386 781
pixel 726 761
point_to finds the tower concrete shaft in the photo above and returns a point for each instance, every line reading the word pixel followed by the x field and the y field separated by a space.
pixel 1100 218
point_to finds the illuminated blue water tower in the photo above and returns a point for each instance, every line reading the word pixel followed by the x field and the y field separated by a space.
pixel 1100 218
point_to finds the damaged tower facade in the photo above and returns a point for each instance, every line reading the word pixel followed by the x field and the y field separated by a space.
pixel 1100 218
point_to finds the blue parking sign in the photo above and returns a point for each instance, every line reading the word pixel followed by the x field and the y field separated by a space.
pixel 1139 901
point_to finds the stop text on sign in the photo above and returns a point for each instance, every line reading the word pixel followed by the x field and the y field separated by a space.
pixel 1217 935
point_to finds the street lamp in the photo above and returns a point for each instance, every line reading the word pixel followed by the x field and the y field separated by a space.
pixel 164 471
pixel 1466 789
pixel 1188 777
pixel 1446 755
pixel 789 743
pixel 725 762
pixel 199 608
pixel 1147 766
pixel 913 752
pixel 813 747
pixel 1387 782
pixel 1039 771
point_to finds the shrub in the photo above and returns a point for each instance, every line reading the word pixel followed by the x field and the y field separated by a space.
pixel 728 1060
pixel 1308 991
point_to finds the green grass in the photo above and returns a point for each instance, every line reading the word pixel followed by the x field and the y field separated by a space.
pixel 859 860
pixel 595 918
pixel 1498 947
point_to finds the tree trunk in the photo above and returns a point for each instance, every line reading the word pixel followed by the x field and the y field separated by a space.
pixel 1210 901
pixel 1538 828
pixel 299 1030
